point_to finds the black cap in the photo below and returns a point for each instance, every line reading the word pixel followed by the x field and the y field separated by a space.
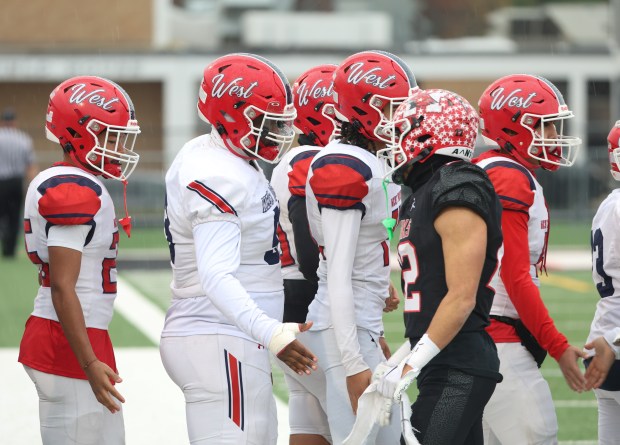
pixel 8 114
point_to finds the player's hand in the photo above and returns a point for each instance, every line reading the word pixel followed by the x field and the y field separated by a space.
pixel 601 362
pixel 100 376
pixel 570 368
pixel 385 348
pixel 356 385
pixel 392 301
pixel 408 376
pixel 291 351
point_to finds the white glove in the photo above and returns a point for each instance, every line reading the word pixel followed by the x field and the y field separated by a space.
pixel 404 382
pixel 389 377
pixel 282 336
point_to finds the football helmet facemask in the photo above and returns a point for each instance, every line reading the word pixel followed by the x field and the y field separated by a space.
pixel 249 102
pixel 514 111
pixel 313 97
pixel 368 87
pixel 94 121
pixel 613 148
pixel 430 122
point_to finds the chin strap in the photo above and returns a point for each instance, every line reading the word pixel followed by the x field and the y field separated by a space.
pixel 126 221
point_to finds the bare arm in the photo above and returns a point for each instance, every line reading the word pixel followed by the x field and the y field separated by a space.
pixel 464 238
pixel 64 271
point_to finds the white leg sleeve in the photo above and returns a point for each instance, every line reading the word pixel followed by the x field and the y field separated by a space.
pixel 227 386
pixel 608 415
pixel 70 414
pixel 525 394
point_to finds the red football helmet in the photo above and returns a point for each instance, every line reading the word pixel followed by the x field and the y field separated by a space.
pixel 94 121
pixel 513 113
pixel 364 84
pixel 430 122
pixel 613 146
pixel 313 94
pixel 248 100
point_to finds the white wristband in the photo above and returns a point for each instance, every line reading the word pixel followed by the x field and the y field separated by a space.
pixel 422 353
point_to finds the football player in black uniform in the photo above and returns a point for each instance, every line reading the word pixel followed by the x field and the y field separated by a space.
pixel 450 236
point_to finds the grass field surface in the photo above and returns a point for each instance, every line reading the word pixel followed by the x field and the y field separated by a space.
pixel 570 297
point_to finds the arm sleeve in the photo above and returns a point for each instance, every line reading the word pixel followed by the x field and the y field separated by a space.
pixel 523 292
pixel 218 257
pixel 72 237
pixel 341 230
pixel 306 247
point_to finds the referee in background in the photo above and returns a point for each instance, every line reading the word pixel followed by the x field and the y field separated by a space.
pixel 16 166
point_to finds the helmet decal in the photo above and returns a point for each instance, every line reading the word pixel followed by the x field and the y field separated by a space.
pixel 232 88
pixel 516 98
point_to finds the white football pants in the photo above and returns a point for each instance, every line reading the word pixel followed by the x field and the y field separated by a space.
pixel 227 385
pixel 328 389
pixel 608 415
pixel 70 414
pixel 521 409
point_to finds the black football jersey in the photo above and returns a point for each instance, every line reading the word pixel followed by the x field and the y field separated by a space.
pixel 423 280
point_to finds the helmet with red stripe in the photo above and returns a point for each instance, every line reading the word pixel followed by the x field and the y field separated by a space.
pixel 313 95
pixel 94 121
pixel 514 113
pixel 249 102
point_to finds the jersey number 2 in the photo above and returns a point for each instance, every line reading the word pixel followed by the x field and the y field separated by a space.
pixel 409 264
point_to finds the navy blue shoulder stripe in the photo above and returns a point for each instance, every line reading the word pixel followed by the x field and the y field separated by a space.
pixel 509 164
pixel 55 181
pixel 303 155
pixel 347 160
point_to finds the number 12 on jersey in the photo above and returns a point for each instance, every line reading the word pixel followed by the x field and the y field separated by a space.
pixel 408 261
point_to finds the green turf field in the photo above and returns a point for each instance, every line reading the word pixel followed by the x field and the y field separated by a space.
pixel 570 297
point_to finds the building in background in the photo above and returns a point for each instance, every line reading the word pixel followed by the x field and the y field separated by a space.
pixel 158 49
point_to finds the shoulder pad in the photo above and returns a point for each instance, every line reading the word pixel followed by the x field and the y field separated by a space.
pixel 69 199
pixel 339 181
pixel 464 184
pixel 513 183
pixel 298 174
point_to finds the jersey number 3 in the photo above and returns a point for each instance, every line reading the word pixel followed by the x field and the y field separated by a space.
pixel 408 261
pixel 606 288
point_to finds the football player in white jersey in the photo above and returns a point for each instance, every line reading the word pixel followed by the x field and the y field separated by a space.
pixel 72 236
pixel 603 369
pixel 347 202
pixel 525 116
pixel 299 253
pixel 220 222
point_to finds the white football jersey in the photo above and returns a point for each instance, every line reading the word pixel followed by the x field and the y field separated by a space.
pixel 530 199
pixel 289 182
pixel 605 239
pixel 205 183
pixel 348 177
pixel 67 195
